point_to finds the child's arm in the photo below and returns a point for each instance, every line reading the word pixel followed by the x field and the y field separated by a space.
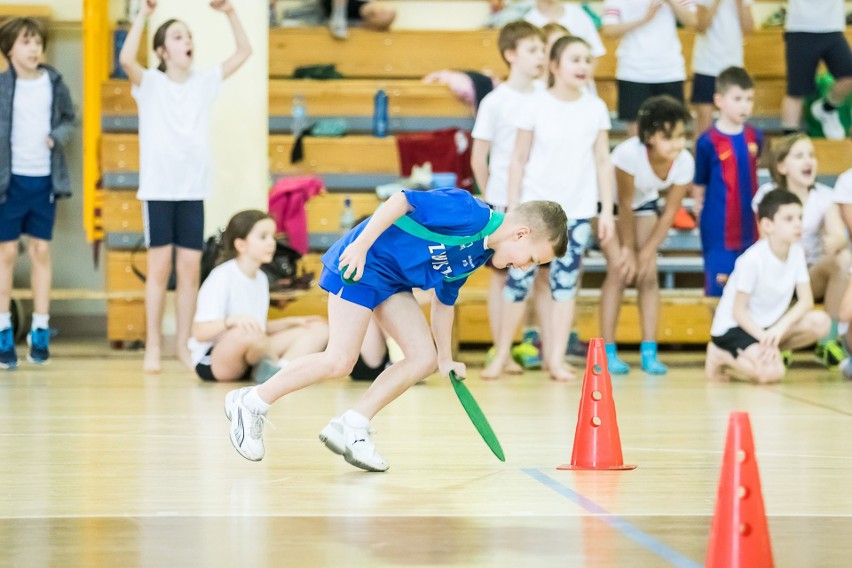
pixel 355 255
pixel 606 224
pixel 60 135
pixel 743 318
pixel 804 304
pixel 618 30
pixel 479 164
pixel 685 13
pixel 243 49
pixel 673 200
pixel 520 157
pixel 704 16
pixel 626 223
pixel 209 330
pixel 442 330
pixel 834 238
pixel 746 17
pixel 127 57
pixel 281 324
pixel 698 199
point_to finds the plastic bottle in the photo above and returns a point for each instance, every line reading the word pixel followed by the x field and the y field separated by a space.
pixel 347 218
pixel 300 115
pixel 380 114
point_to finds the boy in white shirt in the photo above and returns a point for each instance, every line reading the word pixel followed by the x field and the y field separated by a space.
pixel 650 58
pixel 813 33
pixel 720 27
pixel 754 320
pixel 521 45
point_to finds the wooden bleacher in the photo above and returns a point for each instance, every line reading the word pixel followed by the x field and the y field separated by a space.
pixel 353 165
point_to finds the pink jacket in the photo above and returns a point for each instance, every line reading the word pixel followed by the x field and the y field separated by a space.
pixel 287 200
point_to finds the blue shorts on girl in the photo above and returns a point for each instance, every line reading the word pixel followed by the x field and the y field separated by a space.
pixel 399 261
pixel 564 271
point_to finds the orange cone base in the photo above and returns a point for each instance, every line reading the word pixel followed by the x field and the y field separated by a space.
pixel 590 468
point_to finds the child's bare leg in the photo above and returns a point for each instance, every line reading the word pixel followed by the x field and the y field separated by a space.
pixel 838 279
pixel 561 318
pixel 39 252
pixel 311 337
pixel 495 311
pixel 377 16
pixel 347 324
pixel 235 352
pixel 543 303
pixel 401 316
pixel 188 269
pixel 375 347
pixel 717 362
pixel 703 118
pixel 515 294
pixel 156 281
pixel 8 257
pixel 807 331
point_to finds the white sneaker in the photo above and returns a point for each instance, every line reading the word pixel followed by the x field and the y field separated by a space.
pixel 832 128
pixel 246 429
pixel 846 368
pixel 354 444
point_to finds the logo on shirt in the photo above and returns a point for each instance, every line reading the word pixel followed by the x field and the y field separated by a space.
pixel 440 262
pixel 753 148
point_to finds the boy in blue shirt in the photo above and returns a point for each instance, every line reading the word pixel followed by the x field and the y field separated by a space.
pixel 407 243
pixel 36 123
pixel 726 179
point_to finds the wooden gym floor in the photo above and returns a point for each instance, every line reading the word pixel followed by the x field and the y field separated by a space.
pixel 103 466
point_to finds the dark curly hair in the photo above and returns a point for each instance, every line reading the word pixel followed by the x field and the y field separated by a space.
pixel 660 114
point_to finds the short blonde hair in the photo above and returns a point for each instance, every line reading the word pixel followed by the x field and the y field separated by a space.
pixel 546 219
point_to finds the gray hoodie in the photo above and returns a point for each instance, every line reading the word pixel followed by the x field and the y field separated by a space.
pixel 62 123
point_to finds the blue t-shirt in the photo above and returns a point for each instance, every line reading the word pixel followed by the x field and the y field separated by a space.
pixel 399 260
pixel 730 225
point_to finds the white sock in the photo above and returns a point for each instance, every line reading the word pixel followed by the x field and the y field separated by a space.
pixel 5 320
pixel 254 403
pixel 355 419
pixel 40 321
pixel 282 362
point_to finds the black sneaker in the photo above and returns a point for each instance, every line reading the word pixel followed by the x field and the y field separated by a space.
pixel 39 342
pixel 8 356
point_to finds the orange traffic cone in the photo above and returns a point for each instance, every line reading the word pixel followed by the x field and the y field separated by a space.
pixel 597 444
pixel 739 537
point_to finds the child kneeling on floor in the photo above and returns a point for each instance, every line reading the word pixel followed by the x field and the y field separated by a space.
pixel 754 320
pixel 231 334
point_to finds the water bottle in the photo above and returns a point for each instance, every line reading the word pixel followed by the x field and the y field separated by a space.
pixel 300 116
pixel 347 218
pixel 380 114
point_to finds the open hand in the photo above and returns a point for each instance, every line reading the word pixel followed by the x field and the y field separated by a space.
pixel 222 6
pixel 244 323
pixel 628 264
pixel 606 227
pixel 147 7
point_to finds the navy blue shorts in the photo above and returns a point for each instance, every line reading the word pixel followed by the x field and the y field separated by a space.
pixel 29 209
pixel 718 265
pixel 703 89
pixel 179 223
pixel 631 96
pixel 803 52
pixel 356 292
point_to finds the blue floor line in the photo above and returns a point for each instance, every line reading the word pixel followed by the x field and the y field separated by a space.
pixel 618 523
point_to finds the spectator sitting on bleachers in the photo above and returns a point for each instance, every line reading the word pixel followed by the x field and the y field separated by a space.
pixel 376 16
pixel 794 168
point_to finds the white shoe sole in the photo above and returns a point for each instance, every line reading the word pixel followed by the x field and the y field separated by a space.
pixel 333 440
pixel 34 362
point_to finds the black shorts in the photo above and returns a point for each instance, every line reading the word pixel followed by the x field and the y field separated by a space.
pixel 363 372
pixel 29 209
pixel 803 52
pixel 703 89
pixel 647 207
pixel 734 340
pixel 205 372
pixel 179 223
pixel 353 8
pixel 631 95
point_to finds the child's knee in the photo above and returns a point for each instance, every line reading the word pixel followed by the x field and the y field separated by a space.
pixel 378 16
pixel 817 322
pixel 767 374
pixel 9 252
pixel 38 250
pixel 426 361
pixel 338 365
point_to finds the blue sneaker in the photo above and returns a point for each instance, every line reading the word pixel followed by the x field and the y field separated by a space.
pixel 39 342
pixel 8 356
pixel 615 365
pixel 650 363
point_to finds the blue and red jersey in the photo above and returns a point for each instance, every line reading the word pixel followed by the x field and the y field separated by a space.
pixel 726 165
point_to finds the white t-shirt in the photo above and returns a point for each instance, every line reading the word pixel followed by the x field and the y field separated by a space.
pixel 578 23
pixel 561 166
pixel 815 16
pixel 769 281
pixel 175 161
pixel 843 188
pixel 495 123
pixel 721 46
pixel 228 291
pixel 631 156
pixel 32 107
pixel 652 52
pixel 819 201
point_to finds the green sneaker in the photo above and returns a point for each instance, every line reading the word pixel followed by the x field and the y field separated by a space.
pixel 526 355
pixel 829 353
pixel 787 357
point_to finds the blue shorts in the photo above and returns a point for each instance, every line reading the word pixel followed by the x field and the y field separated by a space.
pixel 29 209
pixel 179 223
pixel 564 271
pixel 703 89
pixel 718 265
pixel 356 292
